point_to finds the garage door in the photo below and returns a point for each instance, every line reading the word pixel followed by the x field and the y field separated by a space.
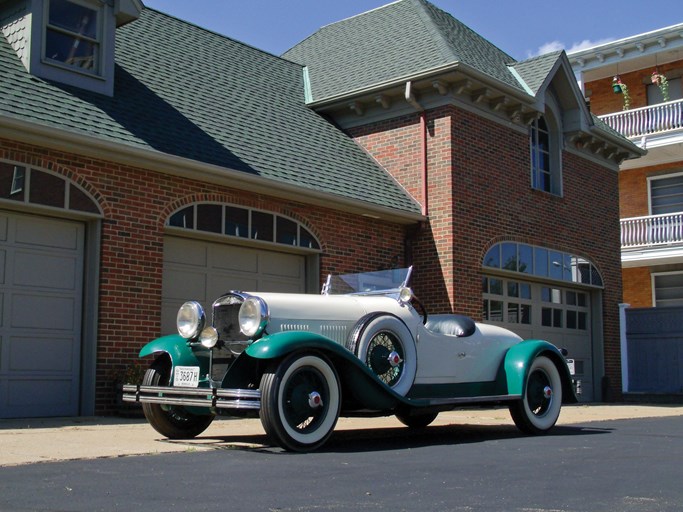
pixel 41 279
pixel 200 270
pixel 539 311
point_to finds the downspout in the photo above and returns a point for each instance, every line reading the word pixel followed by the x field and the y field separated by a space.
pixel 410 98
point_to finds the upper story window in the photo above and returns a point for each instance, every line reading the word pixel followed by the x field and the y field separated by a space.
pixel 666 194
pixel 73 34
pixel 545 156
pixel 654 93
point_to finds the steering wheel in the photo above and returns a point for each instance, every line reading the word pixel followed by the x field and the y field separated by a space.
pixel 422 308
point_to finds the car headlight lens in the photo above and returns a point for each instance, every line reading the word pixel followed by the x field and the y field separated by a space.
pixel 208 337
pixel 190 320
pixel 253 317
pixel 405 295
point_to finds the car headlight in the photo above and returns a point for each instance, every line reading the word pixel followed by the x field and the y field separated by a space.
pixel 190 320
pixel 253 317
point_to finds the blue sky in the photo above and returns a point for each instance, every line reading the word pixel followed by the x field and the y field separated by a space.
pixel 522 28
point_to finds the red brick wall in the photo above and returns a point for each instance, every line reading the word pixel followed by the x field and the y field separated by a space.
pixel 136 203
pixel 480 194
pixel 638 287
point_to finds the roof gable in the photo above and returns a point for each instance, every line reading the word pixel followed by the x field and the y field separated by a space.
pixel 184 91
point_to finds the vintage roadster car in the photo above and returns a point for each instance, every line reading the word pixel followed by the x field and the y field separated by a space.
pixel 364 347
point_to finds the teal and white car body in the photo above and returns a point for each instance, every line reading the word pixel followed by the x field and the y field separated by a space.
pixel 364 347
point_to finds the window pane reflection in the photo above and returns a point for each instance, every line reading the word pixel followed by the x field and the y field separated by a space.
pixel 209 217
pixel 79 200
pixel 286 231
pixel 47 189
pixel 262 226
pixel 12 181
pixel 236 222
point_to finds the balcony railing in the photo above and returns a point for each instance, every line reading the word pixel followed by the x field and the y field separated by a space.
pixel 652 230
pixel 658 118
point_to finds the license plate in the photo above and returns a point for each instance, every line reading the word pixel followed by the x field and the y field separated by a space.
pixel 186 376
pixel 571 366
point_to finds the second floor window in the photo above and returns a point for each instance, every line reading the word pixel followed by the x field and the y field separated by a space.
pixel 654 93
pixel 666 194
pixel 545 157
pixel 73 35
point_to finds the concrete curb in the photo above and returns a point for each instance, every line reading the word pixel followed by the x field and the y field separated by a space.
pixel 29 441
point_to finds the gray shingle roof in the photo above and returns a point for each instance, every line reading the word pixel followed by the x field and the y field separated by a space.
pixel 397 40
pixel 534 71
pixel 192 93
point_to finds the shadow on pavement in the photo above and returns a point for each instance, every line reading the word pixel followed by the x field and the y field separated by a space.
pixel 387 439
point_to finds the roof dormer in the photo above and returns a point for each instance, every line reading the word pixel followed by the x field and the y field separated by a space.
pixel 68 41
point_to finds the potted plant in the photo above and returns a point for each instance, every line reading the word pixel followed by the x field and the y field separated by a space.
pixel 619 87
pixel 616 85
pixel 660 81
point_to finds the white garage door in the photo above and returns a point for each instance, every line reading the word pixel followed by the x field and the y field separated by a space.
pixel 548 312
pixel 202 271
pixel 41 280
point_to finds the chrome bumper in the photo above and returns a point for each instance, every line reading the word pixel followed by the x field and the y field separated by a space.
pixel 194 397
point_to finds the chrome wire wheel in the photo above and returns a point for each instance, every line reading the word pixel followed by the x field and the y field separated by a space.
pixel 385 344
pixel 385 357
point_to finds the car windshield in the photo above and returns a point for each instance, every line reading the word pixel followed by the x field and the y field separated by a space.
pixel 379 282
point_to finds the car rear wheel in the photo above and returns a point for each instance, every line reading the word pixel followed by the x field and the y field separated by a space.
pixel 171 421
pixel 300 401
pixel 417 420
pixel 538 410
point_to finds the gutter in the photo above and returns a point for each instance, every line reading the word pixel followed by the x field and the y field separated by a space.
pixel 521 95
pixel 85 145
pixel 410 98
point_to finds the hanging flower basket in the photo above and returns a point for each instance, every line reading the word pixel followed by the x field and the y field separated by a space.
pixel 660 81
pixel 616 86
pixel 619 87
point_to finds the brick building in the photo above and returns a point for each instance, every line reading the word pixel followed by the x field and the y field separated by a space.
pixel 156 161
pixel 651 188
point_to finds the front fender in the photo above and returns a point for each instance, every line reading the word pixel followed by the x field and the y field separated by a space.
pixel 518 360
pixel 177 349
pixel 359 383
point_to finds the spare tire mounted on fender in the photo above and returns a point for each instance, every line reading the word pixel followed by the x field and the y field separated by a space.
pixel 384 343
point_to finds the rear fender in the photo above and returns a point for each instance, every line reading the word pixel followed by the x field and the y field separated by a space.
pixel 518 360
pixel 358 382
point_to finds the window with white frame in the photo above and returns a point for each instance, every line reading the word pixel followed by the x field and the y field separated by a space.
pixel 73 34
pixel 668 289
pixel 666 194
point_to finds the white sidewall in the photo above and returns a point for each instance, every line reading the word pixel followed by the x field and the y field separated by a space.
pixel 332 407
pixel 547 420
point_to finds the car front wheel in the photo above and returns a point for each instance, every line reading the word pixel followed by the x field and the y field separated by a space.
pixel 538 410
pixel 300 402
pixel 172 422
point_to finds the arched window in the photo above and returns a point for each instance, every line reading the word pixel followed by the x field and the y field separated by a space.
pixel 542 262
pixel 22 184
pixel 546 151
pixel 245 223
